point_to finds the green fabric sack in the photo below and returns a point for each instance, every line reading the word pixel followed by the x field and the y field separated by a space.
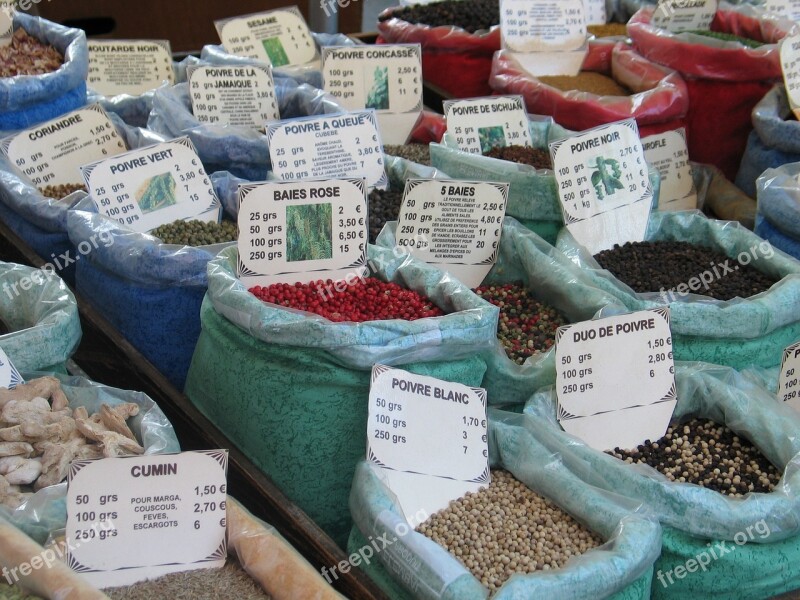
pixel 43 319
pixel 428 571
pixel 695 518
pixel 291 388
pixel 737 333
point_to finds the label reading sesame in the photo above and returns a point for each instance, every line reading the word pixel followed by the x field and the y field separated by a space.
pixel 591 356
pixel 129 66
pixel 242 96
pixel 428 437
pixel 790 63
pixel 789 381
pixel 668 153
pixel 684 15
pixel 9 376
pixel 480 124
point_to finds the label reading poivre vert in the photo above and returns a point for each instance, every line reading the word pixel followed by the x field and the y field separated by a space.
pixel 152 186
pixel 453 224
pixel 52 153
pixel 9 375
pixel 668 153
pixel 790 63
pixel 480 124
pixel 542 25
pixel 602 179
pixel 129 66
pixel 592 357
pixel 139 517
pixel 278 37
pixel 684 15
pixel 789 379
pixel 242 96
pixel 387 78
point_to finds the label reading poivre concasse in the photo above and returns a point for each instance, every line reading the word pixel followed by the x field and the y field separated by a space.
pixel 129 66
pixel 242 96
pixel 684 15
pixel 480 124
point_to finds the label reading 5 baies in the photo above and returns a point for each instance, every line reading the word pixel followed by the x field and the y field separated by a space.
pixel 129 66
pixel 52 153
pixel 683 15
pixel 152 186
pixel 387 78
pixel 542 25
pixel 480 124
pixel 242 96
pixel 279 37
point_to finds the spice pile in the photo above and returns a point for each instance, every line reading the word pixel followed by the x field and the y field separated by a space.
pixel 418 153
pixel 506 528
pixel 366 299
pixel 709 455
pixel 586 81
pixel 383 206
pixel 524 155
pixel 196 233
pixel 607 30
pixel 666 265
pixel 61 191
pixel 470 15
pixel 526 326
pixel 28 56
pixel 728 37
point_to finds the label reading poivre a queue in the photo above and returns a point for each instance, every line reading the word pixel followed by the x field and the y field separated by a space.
pixel 668 153
pixel 684 15
pixel 242 96
pixel 789 48
pixel 139 517
pixel 480 124
pixel 129 66
pixel 789 379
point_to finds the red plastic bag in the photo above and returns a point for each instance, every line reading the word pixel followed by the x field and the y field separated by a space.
pixel 659 104
pixel 725 80
pixel 430 128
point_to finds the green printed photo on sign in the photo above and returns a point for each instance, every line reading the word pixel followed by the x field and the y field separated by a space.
pixel 309 232
pixel 156 193
pixel 378 95
pixel 274 49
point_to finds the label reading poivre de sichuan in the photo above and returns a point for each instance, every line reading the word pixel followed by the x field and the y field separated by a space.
pixel 684 15
pixel 789 380
pixel 542 25
pixel 129 66
pixel 668 153
pixel 242 96
pixel 790 63
pixel 480 124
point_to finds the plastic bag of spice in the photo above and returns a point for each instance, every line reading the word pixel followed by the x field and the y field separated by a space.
pixel 40 316
pixel 241 150
pixel 423 569
pixel 756 537
pixel 738 332
pixel 778 218
pixel 251 355
pixel 725 79
pixel 721 198
pixel 26 100
pixel 655 96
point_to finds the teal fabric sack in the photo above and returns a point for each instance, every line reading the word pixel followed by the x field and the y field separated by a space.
pixel 428 571
pixel 291 388
pixel 696 518
pixel 736 333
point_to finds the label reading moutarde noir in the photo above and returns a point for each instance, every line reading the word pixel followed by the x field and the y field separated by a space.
pixel 52 153
pixel 129 66
pixel 480 124
pixel 542 25
pixel 242 96
pixel 684 15
pixel 592 357
pixel 668 153
pixel 453 224
pixel 278 37
pixel 139 517
pixel 789 380
pixel 790 63
pixel 387 78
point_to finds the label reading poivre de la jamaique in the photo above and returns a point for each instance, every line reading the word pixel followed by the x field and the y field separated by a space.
pixel 241 96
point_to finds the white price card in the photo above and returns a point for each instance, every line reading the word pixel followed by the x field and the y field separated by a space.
pixel 52 153
pixel 301 231
pixel 790 63
pixel 428 436
pixel 242 96
pixel 602 179
pixel 789 379
pixel 668 153
pixel 151 186
pixel 683 15
pixel 480 124
pixel 595 12
pixel 332 146
pixel 542 25
pixel 6 25
pixel 139 517
pixel 129 66
pixel 277 37
pixel 788 9
pixel 453 224
pixel 592 357
pixel 9 376
pixel 387 78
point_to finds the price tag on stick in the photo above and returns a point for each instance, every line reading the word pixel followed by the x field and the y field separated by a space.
pixel 789 381
pixel 680 15
pixel 129 66
pixel 140 517
pixel 453 224
pixel 790 63
pixel 242 96
pixel 593 356
pixel 52 153
pixel 428 436
pixel 668 153
pixel 480 124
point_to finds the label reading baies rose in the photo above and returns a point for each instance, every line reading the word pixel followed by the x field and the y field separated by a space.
pixel 139 517
pixel 789 381
pixel 453 224
pixel 542 25
pixel 684 15
pixel 480 124
pixel 302 231
pixel 152 186
pixel 387 78
pixel 52 153
pixel 592 357
pixel 428 437
pixel 790 63
pixel 788 9
pixel 603 183
pixel 279 37
pixel 333 146
pixel 129 66
pixel 242 96
pixel 668 153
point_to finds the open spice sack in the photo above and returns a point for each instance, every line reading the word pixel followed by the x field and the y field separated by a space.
pixel 252 355
pixel 778 219
pixel 755 534
pixel 615 561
